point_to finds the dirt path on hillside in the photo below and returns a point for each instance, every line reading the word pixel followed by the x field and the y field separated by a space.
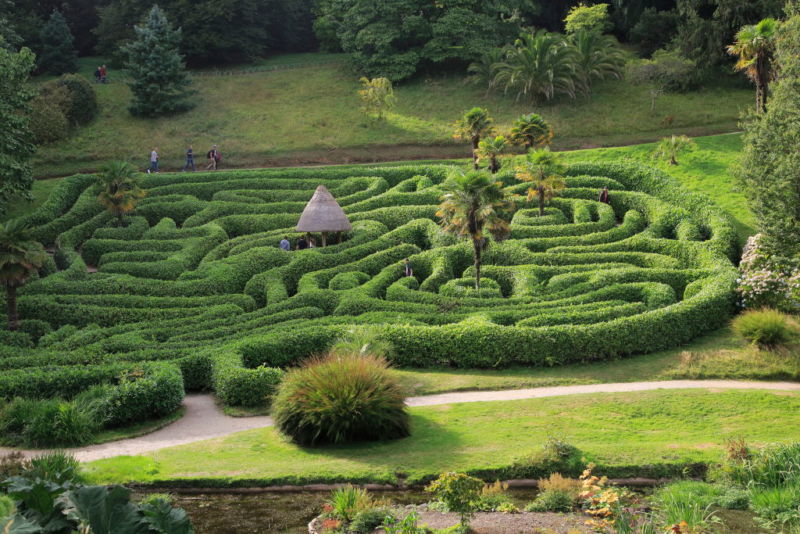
pixel 204 420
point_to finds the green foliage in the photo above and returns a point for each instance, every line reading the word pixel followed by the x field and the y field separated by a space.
pixel 118 189
pixel 458 492
pixel 340 399
pixel 159 78
pixel 377 96
pixel 81 107
pixel 669 148
pixel 347 502
pixel 587 18
pixel 765 328
pixel 366 521
pixel 531 131
pixel 754 46
pixel 706 27
pixel 6 508
pixel 552 501
pixel 769 167
pixel 683 508
pixel 48 123
pixel 654 30
pixel 20 258
pixel 666 71
pixel 597 57
pixel 475 124
pixel 490 150
pixel 16 147
pixel 58 54
pixel 543 170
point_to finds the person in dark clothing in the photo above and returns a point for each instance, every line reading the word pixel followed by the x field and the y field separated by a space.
pixel 302 243
pixel 213 158
pixel 407 270
pixel 604 198
pixel 97 75
pixel 189 159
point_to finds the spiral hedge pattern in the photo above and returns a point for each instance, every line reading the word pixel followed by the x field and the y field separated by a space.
pixel 197 281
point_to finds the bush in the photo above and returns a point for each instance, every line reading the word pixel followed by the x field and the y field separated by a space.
pixel 347 502
pixel 366 521
pixel 458 492
pixel 48 122
pixel 340 399
pixel 765 328
pixel 57 423
pixel 552 500
pixel 81 107
pixel 144 395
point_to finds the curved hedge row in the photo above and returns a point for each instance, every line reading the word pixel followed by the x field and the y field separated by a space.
pixel 196 282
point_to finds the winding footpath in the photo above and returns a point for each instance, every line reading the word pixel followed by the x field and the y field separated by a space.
pixel 204 420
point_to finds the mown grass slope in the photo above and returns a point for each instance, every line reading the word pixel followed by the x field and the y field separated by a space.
pixel 307 111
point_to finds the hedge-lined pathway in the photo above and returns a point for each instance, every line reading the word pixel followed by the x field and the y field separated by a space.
pixel 204 420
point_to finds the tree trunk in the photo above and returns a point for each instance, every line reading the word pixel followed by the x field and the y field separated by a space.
pixel 541 201
pixel 477 245
pixel 13 316
pixel 762 82
pixel 324 239
pixel 475 141
pixel 494 167
pixel 673 160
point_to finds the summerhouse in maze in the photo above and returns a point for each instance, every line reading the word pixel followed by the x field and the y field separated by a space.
pixel 323 215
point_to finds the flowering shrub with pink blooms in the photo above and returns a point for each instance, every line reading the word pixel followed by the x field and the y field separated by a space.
pixel 768 280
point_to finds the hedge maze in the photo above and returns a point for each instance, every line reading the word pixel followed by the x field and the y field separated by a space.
pixel 195 286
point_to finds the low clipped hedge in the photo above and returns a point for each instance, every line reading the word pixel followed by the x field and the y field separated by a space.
pixel 236 385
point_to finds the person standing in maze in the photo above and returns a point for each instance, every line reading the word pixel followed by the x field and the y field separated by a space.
pixel 604 198
pixel 285 244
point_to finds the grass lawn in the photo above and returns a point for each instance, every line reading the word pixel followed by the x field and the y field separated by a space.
pixel 41 191
pixel 633 429
pixel 306 111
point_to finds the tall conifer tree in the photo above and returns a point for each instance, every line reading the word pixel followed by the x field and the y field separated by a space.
pixel 58 54
pixel 160 83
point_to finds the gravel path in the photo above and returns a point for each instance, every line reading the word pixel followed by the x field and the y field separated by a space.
pixel 204 420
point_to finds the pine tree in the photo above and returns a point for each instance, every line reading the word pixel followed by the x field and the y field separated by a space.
pixel 160 81
pixel 58 55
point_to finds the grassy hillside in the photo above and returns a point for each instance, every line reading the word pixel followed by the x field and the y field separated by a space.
pixel 303 108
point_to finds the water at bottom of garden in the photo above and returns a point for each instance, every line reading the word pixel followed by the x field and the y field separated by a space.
pixel 280 512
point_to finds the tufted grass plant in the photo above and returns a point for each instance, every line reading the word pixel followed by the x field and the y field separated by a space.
pixel 765 328
pixel 341 398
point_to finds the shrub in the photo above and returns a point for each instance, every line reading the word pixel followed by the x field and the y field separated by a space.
pixel 58 467
pixel 552 500
pixel 13 464
pixel 366 521
pixel 6 508
pixel 765 328
pixel 493 498
pixel 144 395
pixel 348 502
pixel 48 122
pixel 81 106
pixel 57 423
pixel 340 399
pixel 458 492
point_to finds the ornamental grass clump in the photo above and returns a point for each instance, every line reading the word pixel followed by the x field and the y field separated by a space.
pixel 341 398
pixel 765 328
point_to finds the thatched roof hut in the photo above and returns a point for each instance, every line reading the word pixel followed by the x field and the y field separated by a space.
pixel 323 214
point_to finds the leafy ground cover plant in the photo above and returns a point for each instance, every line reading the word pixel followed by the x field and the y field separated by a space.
pixel 459 493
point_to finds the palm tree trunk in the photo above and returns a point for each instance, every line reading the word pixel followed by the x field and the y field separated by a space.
pixel 475 142
pixel 541 201
pixel 494 167
pixel 762 82
pixel 11 299
pixel 477 246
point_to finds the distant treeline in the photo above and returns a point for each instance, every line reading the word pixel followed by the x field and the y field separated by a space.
pixel 394 38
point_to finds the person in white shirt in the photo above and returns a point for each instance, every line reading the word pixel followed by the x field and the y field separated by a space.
pixel 153 161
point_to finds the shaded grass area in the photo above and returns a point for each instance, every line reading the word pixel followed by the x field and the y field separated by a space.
pixel 708 170
pixel 623 433
pixel 310 114
pixel 40 192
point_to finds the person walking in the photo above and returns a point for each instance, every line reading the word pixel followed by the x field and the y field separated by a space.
pixel 103 74
pixel 153 161
pixel 285 244
pixel 302 244
pixel 189 159
pixel 407 270
pixel 97 75
pixel 213 158
pixel 604 197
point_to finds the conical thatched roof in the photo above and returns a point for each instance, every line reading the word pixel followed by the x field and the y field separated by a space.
pixel 323 214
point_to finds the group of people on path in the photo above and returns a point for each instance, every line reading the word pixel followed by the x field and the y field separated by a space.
pixel 301 244
pixel 101 74
pixel 214 158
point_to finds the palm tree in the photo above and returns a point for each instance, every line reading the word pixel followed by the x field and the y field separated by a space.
pixel 544 171
pixel 118 189
pixel 597 57
pixel 670 147
pixel 538 65
pixel 473 202
pixel 490 149
pixel 754 45
pixel 531 130
pixel 20 257
pixel 483 70
pixel 475 124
